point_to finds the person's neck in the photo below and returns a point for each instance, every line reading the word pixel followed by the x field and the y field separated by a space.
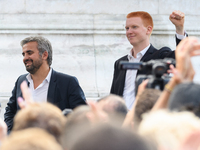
pixel 39 76
pixel 138 48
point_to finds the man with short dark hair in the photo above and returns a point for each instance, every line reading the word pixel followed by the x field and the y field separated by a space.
pixel 113 104
pixel 145 103
pixel 185 97
pixel 45 83
pixel 108 137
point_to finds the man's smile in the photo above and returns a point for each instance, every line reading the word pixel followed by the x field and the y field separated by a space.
pixel 28 62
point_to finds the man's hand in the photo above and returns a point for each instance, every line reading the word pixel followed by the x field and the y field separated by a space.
pixel 3 129
pixel 96 115
pixel 142 87
pixel 26 94
pixel 183 72
pixel 185 50
pixel 177 18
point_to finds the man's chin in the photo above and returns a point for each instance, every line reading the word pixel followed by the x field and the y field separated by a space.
pixel 30 70
pixel 133 42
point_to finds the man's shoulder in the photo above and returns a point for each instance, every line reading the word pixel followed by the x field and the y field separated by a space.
pixel 22 77
pixel 161 53
pixel 165 48
pixel 124 58
pixel 64 80
pixel 153 50
pixel 62 76
pixel 164 51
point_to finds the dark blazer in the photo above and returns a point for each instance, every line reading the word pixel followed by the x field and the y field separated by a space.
pixel 118 82
pixel 64 91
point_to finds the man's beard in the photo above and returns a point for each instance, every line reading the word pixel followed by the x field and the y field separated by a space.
pixel 32 69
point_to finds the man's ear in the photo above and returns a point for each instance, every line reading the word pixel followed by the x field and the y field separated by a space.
pixel 149 30
pixel 45 55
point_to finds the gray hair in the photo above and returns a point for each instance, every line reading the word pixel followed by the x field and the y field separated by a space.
pixel 43 45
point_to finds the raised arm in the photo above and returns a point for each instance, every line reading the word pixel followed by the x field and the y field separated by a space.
pixel 128 121
pixel 183 72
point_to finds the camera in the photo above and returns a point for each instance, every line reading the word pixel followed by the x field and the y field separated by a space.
pixel 155 71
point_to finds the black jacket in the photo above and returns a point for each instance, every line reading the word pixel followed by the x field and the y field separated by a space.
pixel 118 82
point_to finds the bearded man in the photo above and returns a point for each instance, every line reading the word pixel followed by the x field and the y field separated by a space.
pixel 46 84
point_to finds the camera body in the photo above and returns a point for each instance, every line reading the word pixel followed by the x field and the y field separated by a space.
pixel 156 72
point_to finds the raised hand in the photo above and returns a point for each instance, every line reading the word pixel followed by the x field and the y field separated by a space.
pixel 183 72
pixel 128 121
pixel 185 50
pixel 177 18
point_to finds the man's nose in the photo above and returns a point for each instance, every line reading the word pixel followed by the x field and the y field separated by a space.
pixel 129 31
pixel 25 57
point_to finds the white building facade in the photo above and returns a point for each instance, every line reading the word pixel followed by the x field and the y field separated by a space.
pixel 87 36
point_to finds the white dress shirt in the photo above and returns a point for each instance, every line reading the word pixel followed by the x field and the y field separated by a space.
pixel 129 87
pixel 40 93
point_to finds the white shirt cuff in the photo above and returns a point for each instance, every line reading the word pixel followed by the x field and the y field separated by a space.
pixel 180 37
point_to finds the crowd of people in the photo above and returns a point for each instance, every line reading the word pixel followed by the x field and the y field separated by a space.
pixel 48 109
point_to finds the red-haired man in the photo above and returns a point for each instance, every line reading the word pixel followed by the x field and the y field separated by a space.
pixel 139 26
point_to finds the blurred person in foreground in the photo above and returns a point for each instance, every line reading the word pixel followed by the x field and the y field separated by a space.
pixel 185 97
pixel 41 115
pixel 114 106
pixel 144 104
pixel 168 129
pixel 3 130
pixel 82 119
pixel 30 139
pixel 108 137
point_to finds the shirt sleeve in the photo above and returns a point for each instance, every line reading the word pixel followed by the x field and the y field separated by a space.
pixel 180 37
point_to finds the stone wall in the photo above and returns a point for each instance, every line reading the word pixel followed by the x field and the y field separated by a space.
pixel 87 36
